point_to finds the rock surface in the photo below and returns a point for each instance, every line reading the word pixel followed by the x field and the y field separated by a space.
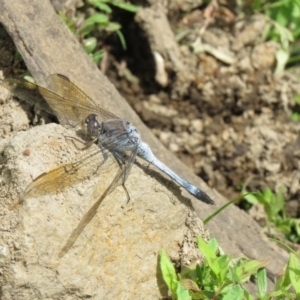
pixel 116 256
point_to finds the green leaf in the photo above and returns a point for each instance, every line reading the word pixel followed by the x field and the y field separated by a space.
pixel 189 272
pixel 285 35
pixel 223 262
pixel 294 273
pixel 234 293
pixel 283 282
pixel 101 5
pixel 295 117
pixel 189 284
pixel 71 25
pixel 284 226
pixel 213 244
pixel 90 23
pixel 288 295
pixel 122 39
pixel 29 78
pixel 250 267
pixel 278 4
pixel 126 6
pixel 222 208
pixel 268 193
pixel 168 272
pixel 297 226
pixel 296 10
pixel 282 17
pixel 113 26
pixel 251 198
pixel 281 294
pixel 266 31
pixel 273 204
pixel 97 56
pixel 209 255
pixel 247 295
pixel 182 293
pixel 262 282
pixel 86 28
pixel 297 98
pixel 97 19
pixel 89 44
pixel 202 273
pixel 18 56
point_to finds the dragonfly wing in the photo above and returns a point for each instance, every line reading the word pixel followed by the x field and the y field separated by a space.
pixel 83 222
pixel 29 92
pixel 93 210
pixel 78 103
pixel 90 163
pixel 63 98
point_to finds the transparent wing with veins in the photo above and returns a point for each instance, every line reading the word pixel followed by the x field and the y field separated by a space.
pixel 64 99
pixel 84 166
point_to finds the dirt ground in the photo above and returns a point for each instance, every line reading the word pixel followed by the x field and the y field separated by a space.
pixel 218 107
pixel 205 86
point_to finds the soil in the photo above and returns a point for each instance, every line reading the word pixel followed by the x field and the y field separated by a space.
pixel 229 117
pixel 210 96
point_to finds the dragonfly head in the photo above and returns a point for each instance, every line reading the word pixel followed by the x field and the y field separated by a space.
pixel 92 126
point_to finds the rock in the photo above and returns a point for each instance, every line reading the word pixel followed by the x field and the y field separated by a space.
pixel 263 55
pixel 152 111
pixel 196 125
pixel 248 31
pixel 12 117
pixel 122 242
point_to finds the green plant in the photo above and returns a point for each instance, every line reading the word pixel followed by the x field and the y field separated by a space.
pixel 219 210
pixel 284 27
pixel 218 277
pixel 295 115
pixel 18 56
pixel 221 277
pixel 84 27
pixel 274 207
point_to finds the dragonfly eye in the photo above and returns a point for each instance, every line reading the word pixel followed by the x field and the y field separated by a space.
pixel 92 125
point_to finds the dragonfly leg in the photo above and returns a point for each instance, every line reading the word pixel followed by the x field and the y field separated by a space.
pixel 105 157
pixel 121 160
pixel 86 144
pixel 126 191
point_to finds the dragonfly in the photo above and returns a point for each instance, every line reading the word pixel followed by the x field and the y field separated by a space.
pixel 116 138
